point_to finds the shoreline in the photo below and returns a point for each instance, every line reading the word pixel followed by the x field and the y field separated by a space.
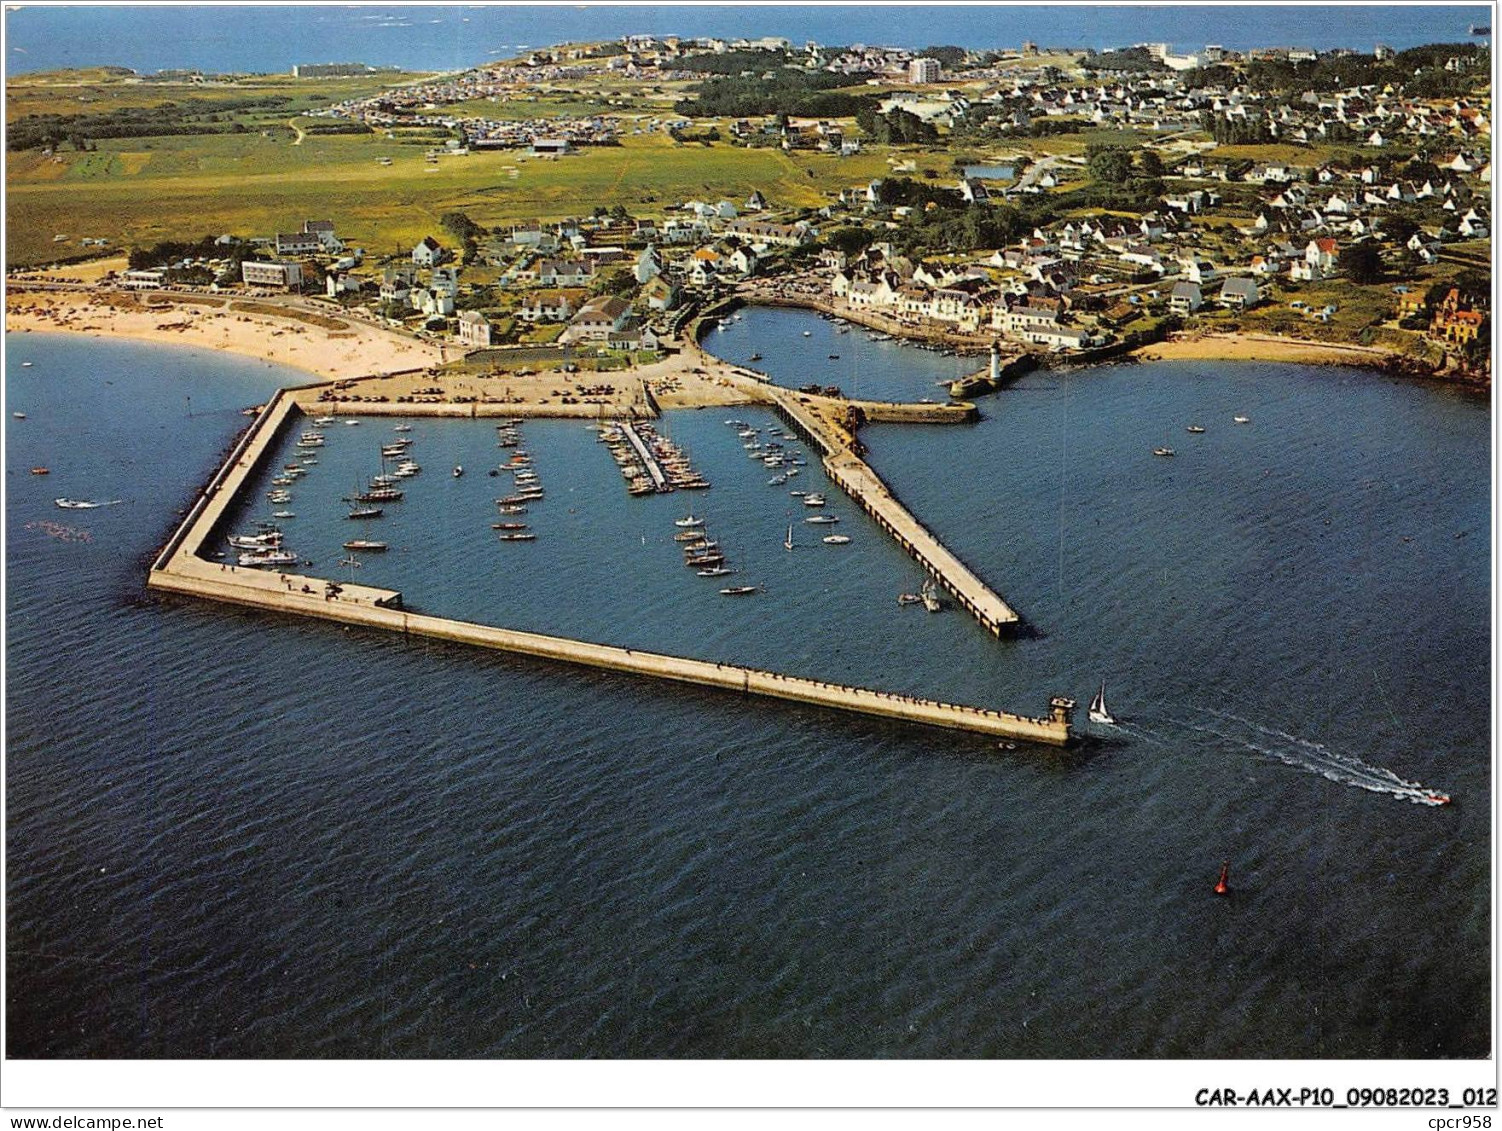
pixel 347 347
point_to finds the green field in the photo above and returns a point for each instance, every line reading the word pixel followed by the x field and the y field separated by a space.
pixel 136 191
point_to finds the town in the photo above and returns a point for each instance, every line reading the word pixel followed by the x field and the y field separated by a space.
pixel 1062 206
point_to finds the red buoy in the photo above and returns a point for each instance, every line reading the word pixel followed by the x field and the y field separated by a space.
pixel 1221 886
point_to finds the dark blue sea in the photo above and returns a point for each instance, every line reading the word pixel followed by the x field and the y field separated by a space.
pixel 233 834
pixel 220 38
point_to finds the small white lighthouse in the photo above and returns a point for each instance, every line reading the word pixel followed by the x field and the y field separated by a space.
pixel 995 363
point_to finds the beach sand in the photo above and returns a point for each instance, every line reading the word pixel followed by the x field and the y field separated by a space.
pixel 345 348
pixel 1262 347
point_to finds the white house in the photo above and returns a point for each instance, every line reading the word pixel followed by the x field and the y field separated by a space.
pixel 474 330
pixel 1239 294
pixel 1185 298
pixel 429 253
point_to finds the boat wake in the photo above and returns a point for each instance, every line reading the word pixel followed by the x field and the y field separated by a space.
pixel 1313 757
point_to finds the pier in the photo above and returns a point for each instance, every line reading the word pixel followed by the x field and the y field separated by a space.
pixel 817 418
pixel 647 456
pixel 181 568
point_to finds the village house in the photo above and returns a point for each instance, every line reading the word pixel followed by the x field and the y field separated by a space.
pixel 659 293
pixel 474 330
pixel 546 306
pixel 1453 322
pixel 597 319
pixel 429 253
pixel 1239 294
pixel 1185 298
pixel 297 243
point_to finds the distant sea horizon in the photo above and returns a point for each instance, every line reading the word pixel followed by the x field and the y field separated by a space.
pixel 271 39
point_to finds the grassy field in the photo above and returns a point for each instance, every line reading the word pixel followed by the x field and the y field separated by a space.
pixel 137 191
pixel 89 92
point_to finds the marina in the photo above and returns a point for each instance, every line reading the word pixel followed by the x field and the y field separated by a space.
pixel 180 568
pixel 734 819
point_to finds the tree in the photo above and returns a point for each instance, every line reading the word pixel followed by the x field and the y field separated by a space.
pixel 1361 262
pixel 461 227
pixel 1150 165
pixel 852 241
pixel 1109 164
pixel 948 56
pixel 1398 229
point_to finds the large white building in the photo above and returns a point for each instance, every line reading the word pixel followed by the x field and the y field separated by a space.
pixel 255 273
pixel 924 70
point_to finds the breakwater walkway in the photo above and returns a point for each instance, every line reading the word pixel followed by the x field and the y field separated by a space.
pixel 819 419
pixel 181 568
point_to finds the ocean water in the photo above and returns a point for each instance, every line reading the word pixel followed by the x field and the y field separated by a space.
pixel 452 37
pixel 232 834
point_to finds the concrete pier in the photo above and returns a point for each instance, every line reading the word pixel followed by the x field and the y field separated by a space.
pixel 818 419
pixel 648 458
pixel 180 568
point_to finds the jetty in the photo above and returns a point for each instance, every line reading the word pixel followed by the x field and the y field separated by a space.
pixel 647 456
pixel 822 420
pixel 181 568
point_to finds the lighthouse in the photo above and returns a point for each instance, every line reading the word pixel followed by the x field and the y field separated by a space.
pixel 995 363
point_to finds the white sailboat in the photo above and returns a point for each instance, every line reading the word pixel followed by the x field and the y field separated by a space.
pixel 787 543
pixel 1099 712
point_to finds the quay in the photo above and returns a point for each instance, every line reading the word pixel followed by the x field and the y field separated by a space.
pixel 181 568
pixel 647 456
pixel 818 418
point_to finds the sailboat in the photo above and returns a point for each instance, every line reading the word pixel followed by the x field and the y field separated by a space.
pixel 787 543
pixel 1099 712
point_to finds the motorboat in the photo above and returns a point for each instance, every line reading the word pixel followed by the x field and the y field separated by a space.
pixel 401 427
pixel 515 536
pixel 813 500
pixel 366 545
pixel 716 571
pixel 798 494
pixel 1099 712
pixel 266 540
pixel 19 415
pixel 1241 419
pixel 365 512
pixel 1164 451
pixel 508 526
pixel 929 595
pixel 837 540
pixel 738 591
pixel 688 536
pixel 283 514
pixel 1195 429
pixel 512 508
pixel 821 520
pixel 458 471
pixel 267 558
pixel 40 471
pixel 777 481
pixel 689 521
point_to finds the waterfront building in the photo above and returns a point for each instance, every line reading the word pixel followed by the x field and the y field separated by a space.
pixel 284 276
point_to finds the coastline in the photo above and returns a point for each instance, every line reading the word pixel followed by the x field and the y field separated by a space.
pixel 239 326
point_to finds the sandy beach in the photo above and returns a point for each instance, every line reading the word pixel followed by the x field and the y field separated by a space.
pixel 339 348
pixel 1262 347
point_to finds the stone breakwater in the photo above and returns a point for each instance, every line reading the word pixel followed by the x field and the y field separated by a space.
pixel 181 568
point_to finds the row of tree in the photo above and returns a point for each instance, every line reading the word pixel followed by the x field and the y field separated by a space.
pixel 191 116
